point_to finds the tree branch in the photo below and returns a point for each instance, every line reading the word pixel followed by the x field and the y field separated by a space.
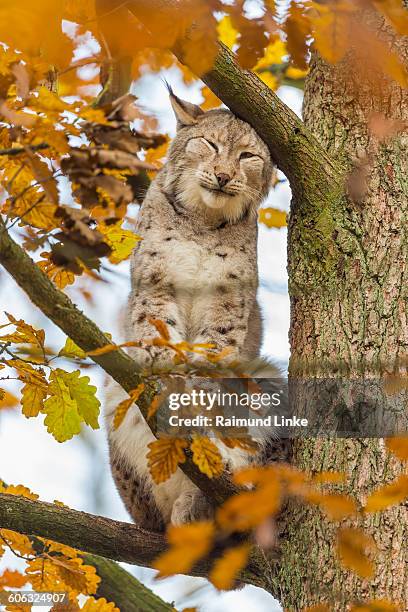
pixel 64 313
pixel 104 537
pixel 126 591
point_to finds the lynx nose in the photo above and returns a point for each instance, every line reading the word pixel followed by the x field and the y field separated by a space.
pixel 222 179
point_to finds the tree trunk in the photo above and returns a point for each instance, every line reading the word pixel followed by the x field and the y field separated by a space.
pixel 349 316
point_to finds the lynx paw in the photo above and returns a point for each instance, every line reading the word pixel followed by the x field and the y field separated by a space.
pixel 190 506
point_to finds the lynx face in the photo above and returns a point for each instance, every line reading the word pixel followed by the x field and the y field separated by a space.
pixel 220 164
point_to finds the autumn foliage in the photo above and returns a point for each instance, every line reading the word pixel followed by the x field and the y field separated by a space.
pixel 76 153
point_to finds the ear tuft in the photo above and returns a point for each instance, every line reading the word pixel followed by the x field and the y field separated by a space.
pixel 186 113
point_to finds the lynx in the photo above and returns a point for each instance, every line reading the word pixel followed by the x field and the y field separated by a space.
pixel 196 270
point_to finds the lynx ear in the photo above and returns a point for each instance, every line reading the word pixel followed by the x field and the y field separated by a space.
pixel 186 113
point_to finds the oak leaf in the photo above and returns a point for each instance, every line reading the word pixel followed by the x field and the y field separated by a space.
pixel 164 457
pixel 10 578
pixel 206 456
pixel 72 400
pixel 121 241
pixel 99 605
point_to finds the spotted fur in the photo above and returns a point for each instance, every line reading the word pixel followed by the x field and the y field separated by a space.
pixel 195 269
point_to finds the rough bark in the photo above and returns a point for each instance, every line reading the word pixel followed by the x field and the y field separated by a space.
pixel 103 537
pixel 349 308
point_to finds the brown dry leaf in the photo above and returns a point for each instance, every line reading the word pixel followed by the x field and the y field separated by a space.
pixel 388 495
pixel 44 176
pixel 226 569
pixel 298 32
pixel 206 456
pixel 164 457
pixel 188 544
pixel 353 546
pixel 59 275
pixel 331 24
pixel 398 446
pixel 252 38
pixel 124 406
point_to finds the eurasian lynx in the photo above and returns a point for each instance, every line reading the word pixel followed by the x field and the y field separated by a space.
pixel 195 269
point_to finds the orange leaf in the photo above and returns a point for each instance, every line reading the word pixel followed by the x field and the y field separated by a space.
pixel 188 544
pixel 398 446
pixel 161 328
pixel 226 569
pixel 352 546
pixel 124 406
pixel 334 505
pixel 12 579
pixel 388 495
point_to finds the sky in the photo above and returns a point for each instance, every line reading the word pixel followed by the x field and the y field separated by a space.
pixel 77 472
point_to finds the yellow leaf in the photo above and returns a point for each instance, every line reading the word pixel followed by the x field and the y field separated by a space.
pixel 272 217
pixel 18 490
pixel 398 446
pixel 352 546
pixel 24 333
pixel 388 495
pixel 378 605
pixel 124 406
pixel 121 241
pixel 32 398
pixel 62 574
pixel 210 99
pixel 270 80
pixel 71 349
pixel 226 569
pixel 7 400
pixel 99 605
pixel 296 73
pixel 274 54
pixel 206 456
pixel 47 101
pixel 164 457
pixel 227 34
pixel 188 544
pixel 16 541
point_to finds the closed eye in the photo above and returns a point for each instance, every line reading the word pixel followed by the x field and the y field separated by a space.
pixel 212 144
pixel 247 155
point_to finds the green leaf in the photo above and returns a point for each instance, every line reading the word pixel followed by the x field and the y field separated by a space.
pixel 71 350
pixel 72 401
pixel 63 420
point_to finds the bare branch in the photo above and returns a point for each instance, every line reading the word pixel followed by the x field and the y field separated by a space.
pixel 19 150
